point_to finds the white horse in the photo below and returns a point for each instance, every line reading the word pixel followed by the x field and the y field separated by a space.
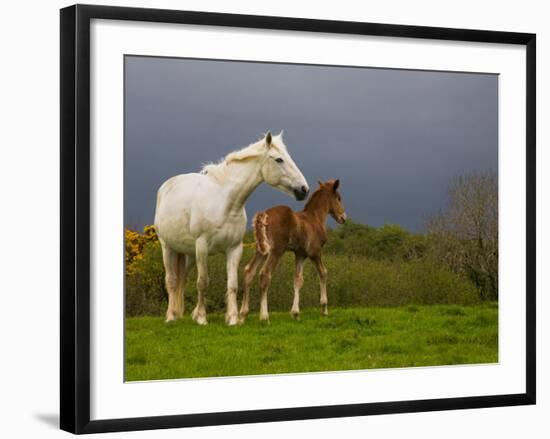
pixel 199 214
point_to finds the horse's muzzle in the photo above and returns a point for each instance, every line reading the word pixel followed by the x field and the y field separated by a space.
pixel 341 219
pixel 301 193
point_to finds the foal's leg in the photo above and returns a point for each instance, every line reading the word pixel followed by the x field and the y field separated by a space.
pixel 265 280
pixel 233 259
pixel 171 269
pixel 298 282
pixel 201 254
pixel 322 271
pixel 249 273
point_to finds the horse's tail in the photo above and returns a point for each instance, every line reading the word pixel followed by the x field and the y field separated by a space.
pixel 263 245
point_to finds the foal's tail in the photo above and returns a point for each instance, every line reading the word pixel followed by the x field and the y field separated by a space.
pixel 259 222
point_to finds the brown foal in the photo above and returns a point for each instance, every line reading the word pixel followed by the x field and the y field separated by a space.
pixel 279 229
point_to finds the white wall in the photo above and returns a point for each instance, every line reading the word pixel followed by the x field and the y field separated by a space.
pixel 29 216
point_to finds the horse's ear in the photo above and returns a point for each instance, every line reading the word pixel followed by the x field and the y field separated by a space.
pixel 281 134
pixel 268 139
pixel 320 183
pixel 335 185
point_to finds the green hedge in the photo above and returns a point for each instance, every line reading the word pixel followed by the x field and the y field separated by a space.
pixel 396 277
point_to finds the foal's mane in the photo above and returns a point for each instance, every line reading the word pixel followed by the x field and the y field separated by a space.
pixel 319 192
pixel 219 170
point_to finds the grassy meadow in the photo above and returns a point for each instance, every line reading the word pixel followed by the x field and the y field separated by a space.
pixel 347 339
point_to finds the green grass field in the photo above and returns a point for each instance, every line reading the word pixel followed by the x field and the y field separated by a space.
pixel 348 339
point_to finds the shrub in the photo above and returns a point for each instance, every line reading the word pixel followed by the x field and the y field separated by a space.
pixel 145 291
pixel 134 244
pixel 390 242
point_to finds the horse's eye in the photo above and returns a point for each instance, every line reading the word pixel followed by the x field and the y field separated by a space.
pixel 279 160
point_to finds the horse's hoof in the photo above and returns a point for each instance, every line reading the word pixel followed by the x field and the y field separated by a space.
pixel 170 318
pixel 295 315
pixel 231 320
pixel 199 318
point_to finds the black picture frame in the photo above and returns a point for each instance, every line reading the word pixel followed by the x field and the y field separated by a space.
pixel 75 217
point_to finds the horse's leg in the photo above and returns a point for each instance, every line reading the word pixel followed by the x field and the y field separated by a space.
pixel 249 273
pixel 185 264
pixel 233 259
pixel 201 254
pixel 322 271
pixel 265 280
pixel 189 264
pixel 298 282
pixel 171 268
pixel 180 281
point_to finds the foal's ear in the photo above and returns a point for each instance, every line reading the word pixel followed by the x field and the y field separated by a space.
pixel 335 185
pixel 268 139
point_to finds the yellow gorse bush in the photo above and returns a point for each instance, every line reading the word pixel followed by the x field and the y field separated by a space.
pixel 135 243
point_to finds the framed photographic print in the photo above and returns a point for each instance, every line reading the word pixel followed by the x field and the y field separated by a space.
pixel 268 218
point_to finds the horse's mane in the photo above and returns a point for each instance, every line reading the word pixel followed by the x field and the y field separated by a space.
pixel 218 170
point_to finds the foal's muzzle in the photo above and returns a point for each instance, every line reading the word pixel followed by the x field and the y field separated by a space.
pixel 301 193
pixel 341 219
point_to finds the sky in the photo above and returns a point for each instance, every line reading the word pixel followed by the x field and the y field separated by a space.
pixel 394 138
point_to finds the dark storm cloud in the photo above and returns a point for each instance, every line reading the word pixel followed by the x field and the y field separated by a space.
pixel 393 137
